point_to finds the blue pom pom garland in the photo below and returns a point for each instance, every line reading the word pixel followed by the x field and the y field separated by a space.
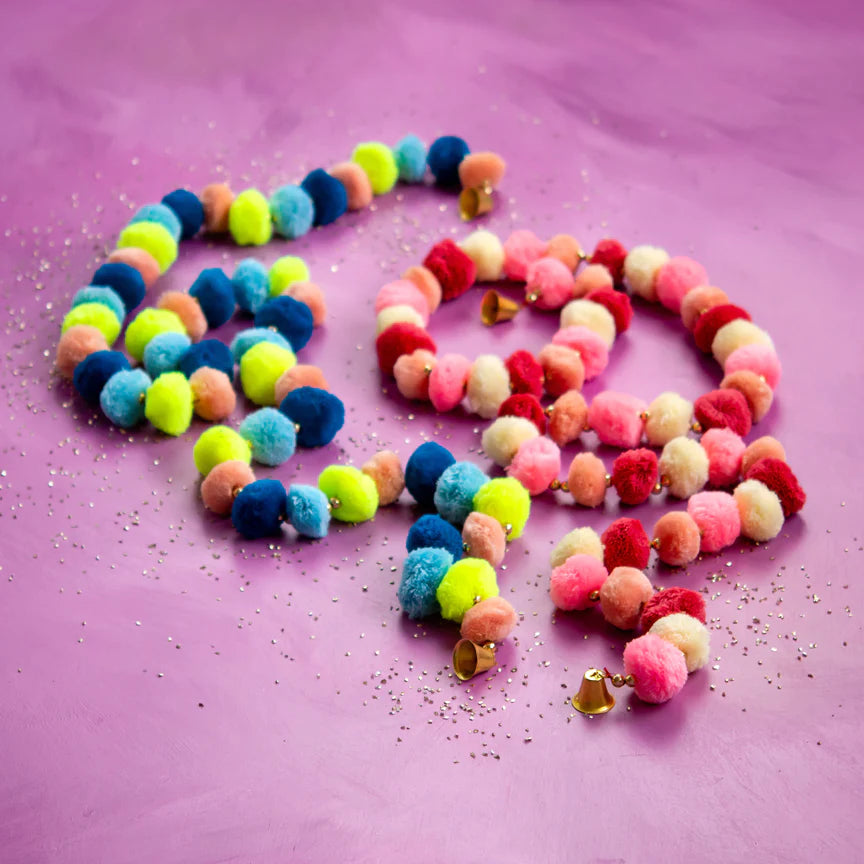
pixel 425 465
pixel 319 414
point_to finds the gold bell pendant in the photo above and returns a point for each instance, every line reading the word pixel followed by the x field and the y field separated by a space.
pixel 593 696
pixel 475 201
pixel 495 308
pixel 470 658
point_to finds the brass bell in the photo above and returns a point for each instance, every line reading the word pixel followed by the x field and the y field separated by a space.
pixel 593 696
pixel 495 308
pixel 470 659
pixel 474 201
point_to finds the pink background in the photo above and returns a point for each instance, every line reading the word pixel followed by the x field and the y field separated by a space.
pixel 173 694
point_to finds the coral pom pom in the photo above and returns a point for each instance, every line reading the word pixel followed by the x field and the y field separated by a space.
pixel 400 339
pixel 536 464
pixel 298 376
pixel 710 321
pixel 676 278
pixel 754 389
pixel 634 474
pixel 625 544
pixel 378 163
pixel 483 537
pixel 503 437
pixel 622 596
pixel 444 157
pixel 566 249
pixel 563 369
pixel 677 538
pixel 594 277
pixel 617 303
pixel 526 374
pixel 352 494
pixel 616 418
pixel 700 300
pixel 448 380
pixel 455 491
pixel 611 254
pixel 412 374
pixel 94 371
pixel 424 279
pixel 385 469
pixel 549 283
pixel 215 294
pixel 270 435
pixel 188 310
pixel 402 292
pixel 506 500
pixel 464 582
pixel 491 620
pixel 425 465
pixel 422 573
pixel 312 296
pixel 760 510
pixel 725 449
pixel 292 211
pixel 222 485
pixel 478 169
pixel 723 409
pixel 586 479
pixel 641 267
pixel 454 270
pixel 488 385
pixel 716 514
pixel 780 479
pixel 683 467
pixel 521 249
pixel 486 251
pixel 671 601
pixel 319 414
pixel 579 541
pixel 527 406
pixel 594 316
pixel 260 509
pixel 658 667
pixel 574 581
pixel 757 358
pixel 569 413
pixel 668 417
pixel 688 635
pixel 765 447
pixel 77 343
pixel 591 347
pixel 327 193
pixel 309 511
pixel 431 531
pixel 213 395
pixel 216 200
pixel 249 219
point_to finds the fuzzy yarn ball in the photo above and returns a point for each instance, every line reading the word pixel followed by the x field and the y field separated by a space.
pixel 488 385
pixel 566 249
pixel 658 667
pixel 716 514
pixel 641 267
pixel 526 373
pixel 669 416
pixel 399 339
pixel 422 572
pixel 780 479
pixel 309 511
pixel 379 164
pixel 737 334
pixel 594 277
pixel 455 491
pixel 689 635
pixel 754 389
pixel 75 344
pixel 94 315
pixel 723 409
pixel 213 395
pixel 536 464
pixel 261 366
pixel 524 405
pixel 351 493
pixel 760 510
pixel 139 260
pixel 483 537
pixel 425 465
pixel 507 500
pixel 698 301
pixel 487 252
pixel 563 369
pixel 548 284
pixel 490 620
pixel 251 284
pixel 634 474
pixel 676 278
pixel 478 169
pixel 463 583
pixel 616 418
pixel 311 295
pixel 216 200
pixel 292 211
pixel 757 358
pixel 448 380
pixel 725 449
pixel 164 352
pixel 586 479
pixel 124 280
pixel 328 195
pixel 569 414
pixel 93 372
pixel 677 538
pixel 623 594
pixel 168 404
pixel 625 544
pixel 189 210
pixel 410 155
pixel 503 437
pixel 402 292
pixel 162 214
pixel 453 268
pixel 574 581
pixel 385 469
pixel 290 317
pixel 249 219
pixel 301 375
pixel 122 397
pixel 270 435
pixel 594 316
pixel 521 249
pixel 147 324
pixel 153 238
pixel 444 157
pixel 220 444
pixel 428 284
pixel 319 414
pixel 611 254
pixel 683 467
pixel 591 347
pixel 579 541
pixel 391 315
pixel 100 294
pixel 222 485
pixel 712 320
pixel 246 339
pixel 617 304
pixel 188 310
pixel 357 185
pixel 434 532
pixel 285 271
pixel 412 373
pixel 670 601
pixel 762 448
pixel 260 508
pixel 210 352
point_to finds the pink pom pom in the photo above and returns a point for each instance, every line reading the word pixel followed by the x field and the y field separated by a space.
pixel 141 260
pixel 658 667
pixel 484 538
pixel 549 282
pixel 723 409
pixel 671 601
pixel 594 277
pixel 699 300
pixel 634 474
pixel 490 620
pixel 412 373
pixel 615 417
pixel 385 469
pixel 77 343
pixel 716 514
pixel 448 380
pixel 591 347
pixel 427 283
pixel 356 183
pixel 678 538
pixel 611 254
pixel 220 487
pixel 521 250
pixel 675 278
pixel 757 358
pixel 562 369
pixel 310 294
pixel 623 595
pixel 725 449
pixel 536 464
pixel 477 169
pixel 213 394
pixel 586 480
pixel 567 420
pixel 566 249
pixel 573 582
pixel 625 544
pixel 301 375
pixel 402 292
pixel 188 310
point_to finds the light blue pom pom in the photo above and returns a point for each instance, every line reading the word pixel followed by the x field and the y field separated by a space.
pixel 122 397
pixel 410 155
pixel 292 211
pixel 161 214
pixel 310 511
pixel 164 353
pixel 271 435
pixel 251 282
pixel 101 294
pixel 455 491
pixel 245 339
pixel 422 573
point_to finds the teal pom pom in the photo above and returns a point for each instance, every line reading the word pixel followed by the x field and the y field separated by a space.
pixel 410 155
pixel 163 215
pixel 422 573
pixel 455 491
pixel 260 508
pixel 310 511
pixel 444 157
pixel 164 353
pixel 245 339
pixel 101 294
pixel 251 283
pixel 271 435
pixel 122 397
pixel 292 210
pixel 434 532
pixel 425 465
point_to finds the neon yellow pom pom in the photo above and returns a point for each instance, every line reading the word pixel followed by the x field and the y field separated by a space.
pixel 153 238
pixel 96 315
pixel 249 219
pixel 260 369
pixel 147 324
pixel 462 584
pixel 506 500
pixel 352 494
pixel 285 271
pixel 168 404
pixel 379 163
pixel 220 444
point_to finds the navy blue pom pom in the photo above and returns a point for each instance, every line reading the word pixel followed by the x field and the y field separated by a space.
pixel 436 533
pixel 189 211
pixel 327 193
pixel 260 508
pixel 425 465
pixel 290 317
pixel 124 279
pixel 444 157
pixel 93 372
pixel 215 293
pixel 208 352
pixel 319 414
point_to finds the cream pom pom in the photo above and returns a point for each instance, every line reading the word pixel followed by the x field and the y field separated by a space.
pixel 684 464
pixel 587 313
pixel 669 416
pixel 760 510
pixel 688 634
pixel 396 315
pixel 487 252
pixel 580 541
pixel 735 334
pixel 488 385
pixel 501 439
pixel 640 269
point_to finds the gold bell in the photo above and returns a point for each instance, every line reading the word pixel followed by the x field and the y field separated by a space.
pixel 470 659
pixel 475 201
pixel 593 696
pixel 495 308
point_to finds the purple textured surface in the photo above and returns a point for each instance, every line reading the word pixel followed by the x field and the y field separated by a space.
pixel 173 694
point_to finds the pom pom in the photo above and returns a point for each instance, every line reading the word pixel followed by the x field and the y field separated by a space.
pixel 189 211
pixel 591 347
pixel 698 301
pixel 127 279
pixel 724 449
pixel 527 406
pixel 761 448
pixel 455 491
pixel 153 238
pixel 260 508
pixel 758 394
pixel 356 183
pixel 328 194
pixel 428 284
pixel 640 270
pixel 563 369
pixel 594 277
pixel 668 417
pixel 422 573
pixel 401 339
pixel 412 373
pixel 483 537
pixel 453 269
pixel 625 544
pixel 219 444
pixel 463 583
pixel 352 494
pixel 402 292
pixel 410 155
pixel 100 294
pixel 716 514
pixel 526 373
pixel 506 500
pixel 617 304
pixel 759 509
pixel 478 169
pixel 122 397
pixel 488 385
pixel 683 467
pixel 249 219
pixel 168 404
pixel 566 249
pixel 188 310
pixel 658 667
pixel 215 293
pixel 292 211
pixel 216 200
pixel 634 474
pixel 385 469
pixel 675 278
pixel 616 418
pixel 93 315
pixel 549 284
pixel 536 464
pixel 723 409
pixel 222 485
pixel 309 511
pixel 490 620
pixel 579 541
pixel 622 595
pixel 271 436
pixel 574 581
pixel 688 635
pixel 521 249
pixel 299 376
pixel 737 334
pixel 251 284
pixel 245 339
pixel 712 320
pixel 503 437
pixel 290 317
pixel 425 465
pixel 444 156
pixel 486 251
pixel 778 477
pixel 164 352
pixel 379 164
pixel 434 532
pixel 210 352
pixel 147 324
pixel 391 315
pixel 677 539
pixel 568 418
pixel 77 343
pixel 593 316
pixel 611 254
pixel 162 214
pixel 261 366
pixel 213 396
pixel 285 271
pixel 586 479
pixel 93 372
pixel 671 601
pixel 448 380
pixel 319 414
pixel 757 358
pixel 312 296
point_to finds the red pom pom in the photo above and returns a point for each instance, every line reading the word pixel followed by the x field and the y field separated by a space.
pixel 710 321
pixel 778 477
pixel 452 268
pixel 625 544
pixel 724 409
pixel 634 474
pixel 611 254
pixel 526 373
pixel 669 602
pixel 617 303
pixel 524 405
pixel 399 339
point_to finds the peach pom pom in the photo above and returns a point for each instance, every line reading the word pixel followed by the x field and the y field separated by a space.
pixel 301 375
pixel 391 315
pixel 616 418
pixel 536 464
pixel 657 666
pixel 310 294
pixel 385 469
pixel 448 380
pixel 677 538
pixel 716 514
pixel 562 369
pixel 669 416
pixel 735 335
pixel 521 249
pixel 567 418
pixel 759 509
pixel 490 620
pixel 483 537
pixel 213 394
pixel 683 467
pixel 676 278
pixel 485 250
pixel 503 437
pixel 77 343
pixel 622 596
pixel 402 292
pixel 765 447
pixel 412 374
pixel 594 277
pixel 140 259
pixel 566 249
pixel 188 310
pixel 356 183
pixel 641 267
pixel 586 480
pixel 574 581
pixel 427 283
pixel 760 359
pixel 221 485
pixel 754 389
pixel 591 347
pixel 548 284
pixel 688 634
pixel 725 449
pixel 579 541
pixel 477 169
pixel 216 199
pixel 594 316
pixel 699 300
pixel 488 385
